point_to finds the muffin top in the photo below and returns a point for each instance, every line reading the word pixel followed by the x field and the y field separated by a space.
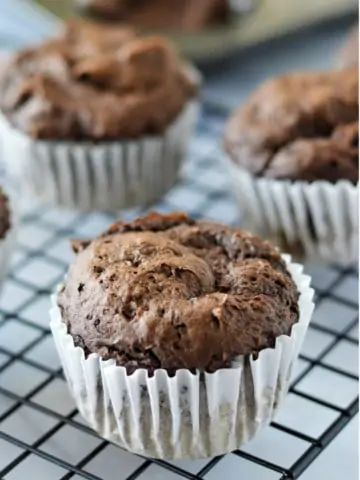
pixel 166 291
pixel 5 220
pixel 95 82
pixel 349 55
pixel 163 14
pixel 301 127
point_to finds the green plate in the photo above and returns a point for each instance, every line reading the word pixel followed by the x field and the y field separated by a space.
pixel 269 19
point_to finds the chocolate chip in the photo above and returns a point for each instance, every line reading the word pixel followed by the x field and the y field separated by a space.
pixel 128 312
pixel 215 322
pixel 98 270
pixel 79 341
pixel 181 329
pixel 24 98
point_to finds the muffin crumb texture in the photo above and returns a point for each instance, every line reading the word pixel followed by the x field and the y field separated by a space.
pixel 166 291
pixel 300 127
pixel 95 82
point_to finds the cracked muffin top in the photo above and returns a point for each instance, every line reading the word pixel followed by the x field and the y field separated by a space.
pixel 302 126
pixel 166 291
pixel 189 15
pixel 95 82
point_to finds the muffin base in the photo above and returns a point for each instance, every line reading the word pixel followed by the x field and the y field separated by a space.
pixel 187 415
pixel 104 176
pixel 313 221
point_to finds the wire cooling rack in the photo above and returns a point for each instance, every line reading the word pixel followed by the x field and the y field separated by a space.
pixel 42 436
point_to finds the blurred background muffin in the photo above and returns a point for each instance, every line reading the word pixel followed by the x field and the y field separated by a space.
pixel 206 29
pixel 293 149
pixel 97 118
pixel 162 14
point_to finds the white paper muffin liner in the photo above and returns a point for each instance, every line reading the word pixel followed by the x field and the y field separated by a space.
pixel 104 176
pixel 317 221
pixel 187 415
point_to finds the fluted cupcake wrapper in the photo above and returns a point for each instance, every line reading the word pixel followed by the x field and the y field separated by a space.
pixel 104 176
pixel 317 221
pixel 188 415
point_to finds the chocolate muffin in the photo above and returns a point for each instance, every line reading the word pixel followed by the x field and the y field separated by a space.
pixel 349 54
pixel 177 336
pixel 165 291
pixel 95 82
pixel 98 117
pixel 162 14
pixel 300 127
pixel 293 163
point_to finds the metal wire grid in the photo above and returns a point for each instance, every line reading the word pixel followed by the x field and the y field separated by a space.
pixel 34 406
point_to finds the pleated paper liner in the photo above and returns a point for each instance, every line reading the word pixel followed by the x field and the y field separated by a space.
pixel 105 176
pixel 313 221
pixel 187 415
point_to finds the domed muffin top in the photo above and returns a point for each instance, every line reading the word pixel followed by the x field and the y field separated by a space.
pixel 95 82
pixel 166 291
pixel 293 127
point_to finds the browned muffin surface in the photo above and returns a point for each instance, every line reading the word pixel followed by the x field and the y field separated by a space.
pixel 95 82
pixel 163 14
pixel 289 128
pixel 165 291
